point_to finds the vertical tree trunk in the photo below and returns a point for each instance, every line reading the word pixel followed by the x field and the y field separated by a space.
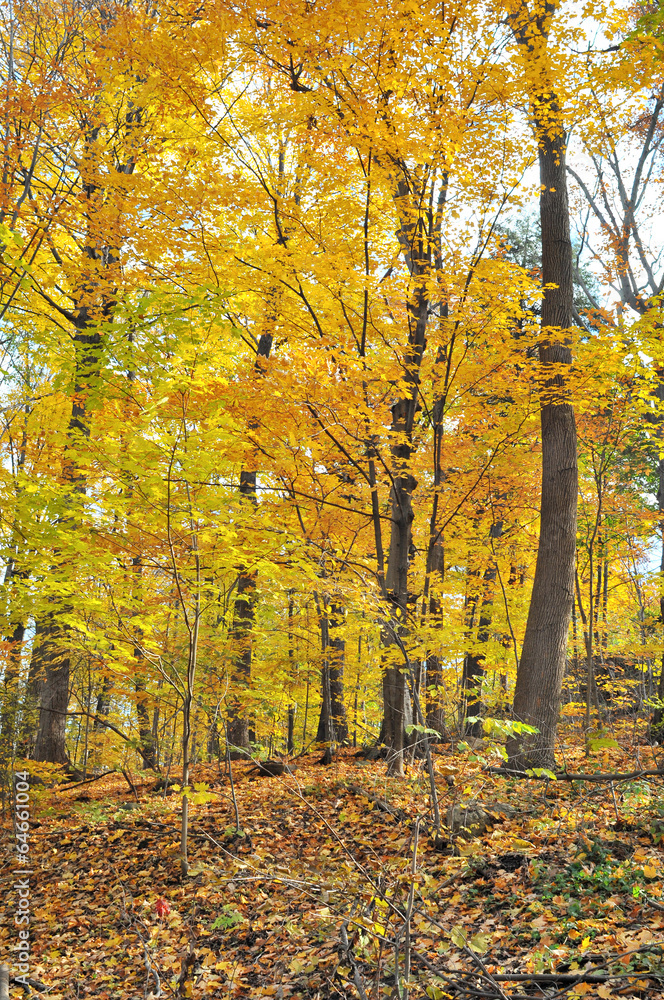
pixel 148 745
pixel 657 720
pixel 244 616
pixel 435 564
pixel 435 707
pixel 290 744
pixel 332 678
pixel 10 695
pixel 542 664
pixel 95 298
pixel 50 742
pixel 15 574
pixel 244 612
pixel 396 702
pixel 473 664
pixel 33 691
pixel 337 662
pixel 103 706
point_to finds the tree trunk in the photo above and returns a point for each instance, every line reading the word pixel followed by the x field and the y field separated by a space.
pixel 103 706
pixel 244 612
pixel 542 664
pixel 50 743
pixel 33 692
pixel 14 577
pixel 473 664
pixel 657 720
pixel 10 693
pixel 290 745
pixel 148 745
pixel 244 616
pixel 433 609
pixel 334 653
pixel 332 679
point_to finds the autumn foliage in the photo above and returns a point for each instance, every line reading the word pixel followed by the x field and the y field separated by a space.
pixel 332 417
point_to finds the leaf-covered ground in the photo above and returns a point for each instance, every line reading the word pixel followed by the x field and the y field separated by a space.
pixel 317 893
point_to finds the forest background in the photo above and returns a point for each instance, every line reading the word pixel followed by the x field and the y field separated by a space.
pixel 332 415
pixel 288 338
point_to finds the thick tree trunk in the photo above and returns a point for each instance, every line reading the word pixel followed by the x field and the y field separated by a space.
pixel 50 743
pixel 542 664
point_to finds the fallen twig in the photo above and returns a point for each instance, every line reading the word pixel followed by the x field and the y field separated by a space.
pixel 131 784
pixel 377 801
pixel 357 978
pixel 571 776
pixel 87 781
pixel 574 977
pixel 485 972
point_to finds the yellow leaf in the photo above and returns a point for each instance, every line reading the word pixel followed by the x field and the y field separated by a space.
pixel 523 845
pixel 585 943
pixel 582 988
pixel 649 871
pixel 604 991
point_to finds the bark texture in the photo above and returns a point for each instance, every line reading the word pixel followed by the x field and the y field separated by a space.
pixel 50 743
pixel 415 237
pixel 657 720
pixel 10 693
pixel 244 613
pixel 473 664
pixel 244 616
pixel 333 722
pixel 542 664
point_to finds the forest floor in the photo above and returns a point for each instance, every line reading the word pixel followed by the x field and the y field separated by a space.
pixel 316 897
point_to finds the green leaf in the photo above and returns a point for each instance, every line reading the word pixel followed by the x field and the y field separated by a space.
pixel 459 937
pixel 227 918
pixel 480 942
pixel 601 743
pixel 501 728
pixel 541 772
pixel 421 729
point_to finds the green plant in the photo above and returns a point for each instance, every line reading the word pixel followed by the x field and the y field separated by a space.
pixel 227 919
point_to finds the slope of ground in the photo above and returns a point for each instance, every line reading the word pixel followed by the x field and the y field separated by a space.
pixel 338 886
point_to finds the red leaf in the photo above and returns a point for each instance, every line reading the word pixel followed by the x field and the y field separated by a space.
pixel 162 907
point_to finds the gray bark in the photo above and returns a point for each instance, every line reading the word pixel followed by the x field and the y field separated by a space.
pixel 542 664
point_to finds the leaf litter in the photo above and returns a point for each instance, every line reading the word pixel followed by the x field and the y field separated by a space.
pixel 336 885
